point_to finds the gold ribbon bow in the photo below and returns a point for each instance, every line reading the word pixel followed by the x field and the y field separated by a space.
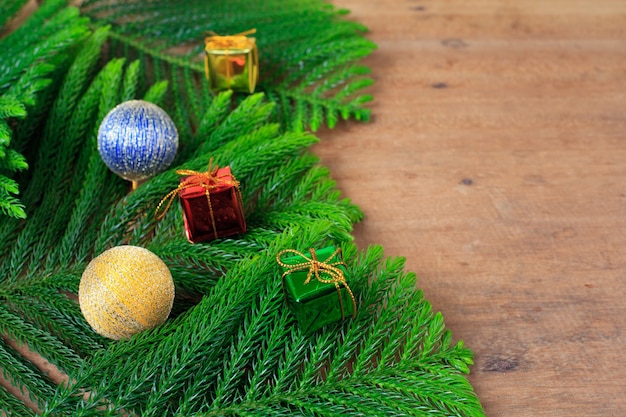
pixel 228 42
pixel 316 268
pixel 209 180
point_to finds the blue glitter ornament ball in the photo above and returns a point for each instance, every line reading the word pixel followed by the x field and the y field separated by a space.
pixel 137 140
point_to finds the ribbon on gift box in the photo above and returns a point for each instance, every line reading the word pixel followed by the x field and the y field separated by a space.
pixel 226 43
pixel 208 180
pixel 315 269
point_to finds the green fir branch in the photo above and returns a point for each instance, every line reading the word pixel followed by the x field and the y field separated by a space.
pixel 307 52
pixel 18 327
pixel 13 404
pixel 28 56
pixel 11 206
pixel 24 375
pixel 9 10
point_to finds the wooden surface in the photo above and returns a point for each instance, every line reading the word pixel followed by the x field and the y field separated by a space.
pixel 496 164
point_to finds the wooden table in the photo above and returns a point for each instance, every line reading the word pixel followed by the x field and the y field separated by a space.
pixel 496 163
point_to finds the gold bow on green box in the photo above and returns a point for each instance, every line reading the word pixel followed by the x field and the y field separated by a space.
pixel 231 62
pixel 316 288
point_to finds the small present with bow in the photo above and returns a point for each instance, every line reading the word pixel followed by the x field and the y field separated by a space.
pixel 211 202
pixel 315 287
pixel 231 62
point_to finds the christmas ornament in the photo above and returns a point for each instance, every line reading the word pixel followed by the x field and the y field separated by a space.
pixel 211 202
pixel 315 287
pixel 137 140
pixel 231 62
pixel 124 291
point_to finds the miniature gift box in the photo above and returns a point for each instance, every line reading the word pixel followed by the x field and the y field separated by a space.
pixel 315 287
pixel 231 62
pixel 212 206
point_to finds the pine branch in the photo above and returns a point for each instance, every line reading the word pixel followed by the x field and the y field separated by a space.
pixel 8 10
pixel 26 60
pixel 10 205
pixel 10 160
pixel 23 375
pixel 307 52
pixel 38 340
pixel 10 402
pixel 268 357
pixel 400 390
pixel 245 344
pixel 47 308
pixel 13 161
pixel 388 321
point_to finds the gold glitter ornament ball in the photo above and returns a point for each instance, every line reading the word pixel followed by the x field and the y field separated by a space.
pixel 124 291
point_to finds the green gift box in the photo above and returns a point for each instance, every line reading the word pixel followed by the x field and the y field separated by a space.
pixel 315 287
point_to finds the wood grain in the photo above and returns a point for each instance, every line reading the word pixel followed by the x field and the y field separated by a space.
pixel 496 164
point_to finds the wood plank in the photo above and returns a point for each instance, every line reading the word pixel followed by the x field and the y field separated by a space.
pixel 496 163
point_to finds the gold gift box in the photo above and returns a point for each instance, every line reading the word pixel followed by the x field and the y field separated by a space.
pixel 231 62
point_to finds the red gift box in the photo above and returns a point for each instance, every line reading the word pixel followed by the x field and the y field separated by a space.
pixel 212 206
